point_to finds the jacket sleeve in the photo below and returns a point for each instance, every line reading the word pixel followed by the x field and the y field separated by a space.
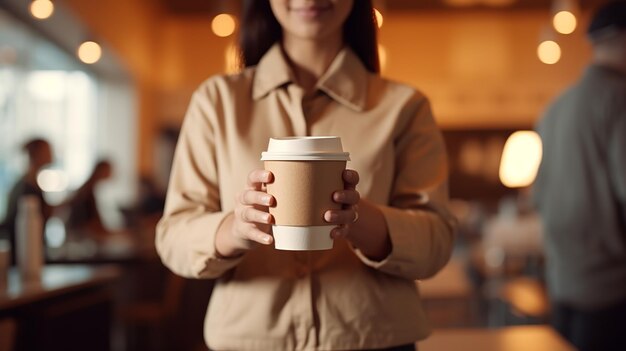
pixel 185 235
pixel 617 158
pixel 420 226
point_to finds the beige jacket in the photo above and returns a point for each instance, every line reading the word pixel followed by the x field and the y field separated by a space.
pixel 323 300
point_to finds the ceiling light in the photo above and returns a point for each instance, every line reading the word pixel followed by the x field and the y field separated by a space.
pixel 564 22
pixel 41 9
pixel 549 52
pixel 521 157
pixel 223 25
pixel 89 52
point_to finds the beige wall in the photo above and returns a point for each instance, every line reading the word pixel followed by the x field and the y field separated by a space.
pixel 478 67
pixel 189 54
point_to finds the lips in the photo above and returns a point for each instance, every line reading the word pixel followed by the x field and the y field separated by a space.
pixel 311 12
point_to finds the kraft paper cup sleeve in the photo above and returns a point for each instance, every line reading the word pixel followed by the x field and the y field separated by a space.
pixel 307 171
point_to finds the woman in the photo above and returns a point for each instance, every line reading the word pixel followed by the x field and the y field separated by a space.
pixel 311 69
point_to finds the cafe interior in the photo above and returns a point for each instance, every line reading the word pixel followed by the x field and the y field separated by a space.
pixel 111 80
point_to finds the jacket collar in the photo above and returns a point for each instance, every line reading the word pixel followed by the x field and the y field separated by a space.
pixel 345 80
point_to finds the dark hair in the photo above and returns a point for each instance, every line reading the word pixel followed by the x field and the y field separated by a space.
pixel 260 30
pixel 608 20
pixel 34 146
pixel 102 163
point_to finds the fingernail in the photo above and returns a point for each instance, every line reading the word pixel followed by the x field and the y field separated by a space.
pixel 266 199
pixel 332 217
pixel 337 233
pixel 266 217
pixel 337 196
pixel 266 239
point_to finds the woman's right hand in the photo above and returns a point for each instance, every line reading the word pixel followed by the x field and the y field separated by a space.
pixel 250 223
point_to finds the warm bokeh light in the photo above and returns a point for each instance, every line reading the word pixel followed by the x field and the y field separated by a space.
pixel 382 57
pixel 89 52
pixel 379 18
pixel 520 159
pixel 564 22
pixel 232 59
pixel 41 9
pixel 55 232
pixel 549 52
pixel 529 296
pixel 223 25
pixel 52 180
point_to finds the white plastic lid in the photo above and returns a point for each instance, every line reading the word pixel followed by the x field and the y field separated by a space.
pixel 313 148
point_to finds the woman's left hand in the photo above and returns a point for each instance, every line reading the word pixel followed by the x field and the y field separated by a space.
pixel 349 199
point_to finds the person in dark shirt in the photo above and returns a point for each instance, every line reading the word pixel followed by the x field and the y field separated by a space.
pixel 39 155
pixel 84 217
pixel 580 193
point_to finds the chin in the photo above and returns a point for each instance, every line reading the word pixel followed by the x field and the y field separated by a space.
pixel 311 32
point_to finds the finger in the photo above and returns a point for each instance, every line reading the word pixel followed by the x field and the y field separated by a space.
pixel 254 234
pixel 257 177
pixel 335 233
pixel 347 197
pixel 340 216
pixel 252 197
pixel 339 232
pixel 251 215
pixel 351 178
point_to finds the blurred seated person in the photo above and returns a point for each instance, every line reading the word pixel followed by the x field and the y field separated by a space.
pixel 83 216
pixel 39 154
pixel 148 205
pixel 151 199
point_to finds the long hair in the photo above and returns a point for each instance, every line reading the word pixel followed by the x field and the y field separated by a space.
pixel 260 30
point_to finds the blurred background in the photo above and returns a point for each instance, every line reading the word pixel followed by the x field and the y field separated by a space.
pixel 111 80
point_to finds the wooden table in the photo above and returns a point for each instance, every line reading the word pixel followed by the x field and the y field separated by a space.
pixel 448 297
pixel 56 280
pixel 69 308
pixel 114 249
pixel 519 338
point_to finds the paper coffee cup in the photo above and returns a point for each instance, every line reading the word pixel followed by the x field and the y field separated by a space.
pixel 307 171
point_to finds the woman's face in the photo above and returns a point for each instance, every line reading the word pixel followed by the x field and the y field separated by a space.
pixel 311 19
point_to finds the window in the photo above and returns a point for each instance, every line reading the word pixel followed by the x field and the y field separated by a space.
pixel 45 93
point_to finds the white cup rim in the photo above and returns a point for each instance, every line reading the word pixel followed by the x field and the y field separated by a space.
pixel 309 148
pixel 303 156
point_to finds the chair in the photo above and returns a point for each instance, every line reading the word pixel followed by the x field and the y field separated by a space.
pixel 8 330
pixel 155 315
